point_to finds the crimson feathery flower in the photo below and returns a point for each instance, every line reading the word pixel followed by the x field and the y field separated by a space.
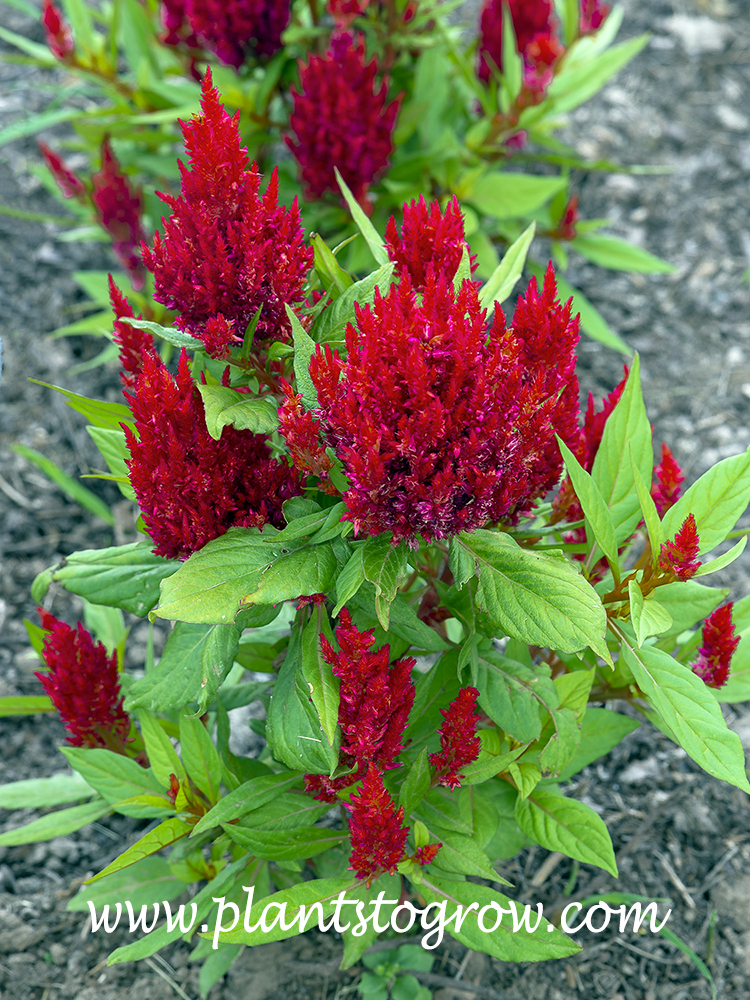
pixel 191 488
pixel 375 827
pixel 531 18
pixel 593 16
pixel 71 186
pixel 429 238
pixel 680 557
pixel 341 119
pixel 302 435
pixel 134 344
pixel 566 227
pixel 668 477
pixel 459 743
pixel 118 208
pixel 57 32
pixel 439 427
pixel 426 855
pixel 344 12
pixel 719 644
pixel 232 28
pixel 226 250
pixel 540 59
pixel 83 683
pixel 173 19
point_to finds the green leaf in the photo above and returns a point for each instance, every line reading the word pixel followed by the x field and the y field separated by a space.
pixel 566 825
pixel 115 777
pixel 647 614
pixel 505 195
pixel 463 271
pixel 226 407
pixel 688 603
pixel 618 255
pixel 200 757
pixel 695 720
pixel 318 672
pixel 44 793
pixel 330 272
pixel 209 586
pixel 88 500
pixel 720 562
pixel 333 321
pixel 33 124
pixel 56 824
pixel 507 695
pixel 512 60
pixel 114 450
pixel 97 412
pixel 403 620
pixel 286 811
pixel 147 881
pixel 250 796
pixel 417 783
pixel 216 966
pixel 461 855
pixel 309 570
pixel 716 501
pixel 601 731
pixel 374 240
pixel 41 53
pixel 650 515
pixel 598 522
pixel 488 765
pixel 540 599
pixel 304 348
pixel 171 334
pixel 502 943
pixel 25 705
pixel 162 756
pixel 195 660
pixel 79 16
pixel 125 576
pixel 304 842
pixel 349 580
pixel 503 279
pixel 166 833
pixel 384 565
pixel 626 442
pixel 577 82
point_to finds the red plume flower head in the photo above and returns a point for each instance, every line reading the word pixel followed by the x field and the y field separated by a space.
pixel 301 432
pixel 83 683
pixel 459 744
pixel 719 644
pixel 680 557
pixel 440 428
pixel 668 477
pixel 540 59
pixel 118 208
pixel 233 28
pixel 375 827
pixel 57 32
pixel 134 344
pixel 341 118
pixel 191 488
pixel 429 238
pixel 226 251
pixel 531 19
pixel 593 16
pixel 344 12
pixel 69 183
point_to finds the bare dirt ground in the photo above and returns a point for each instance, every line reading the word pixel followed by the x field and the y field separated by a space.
pixel 678 833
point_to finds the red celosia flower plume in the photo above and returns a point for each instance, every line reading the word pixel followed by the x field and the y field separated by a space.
pixel 459 744
pixel 719 644
pixel 593 16
pixel 439 427
pixel 226 251
pixel 118 208
pixel 83 683
pixel 540 59
pixel 57 32
pixel 191 488
pixel 680 557
pixel 374 706
pixel 69 183
pixel 375 827
pixel 341 119
pixel 134 344
pixel 428 239
pixel 566 227
pixel 531 19
pixel 668 477
pixel 302 435
pixel 232 28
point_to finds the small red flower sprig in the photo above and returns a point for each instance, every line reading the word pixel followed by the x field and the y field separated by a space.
pixel 719 644
pixel 668 477
pixel 83 683
pixel 227 251
pixel 374 706
pixel 429 239
pixel 593 15
pixel 119 209
pixel 375 827
pixel 134 344
pixel 190 487
pixel 57 32
pixel 344 12
pixel 532 21
pixel 70 185
pixel 680 557
pixel 459 744
pixel 301 431
pixel 341 118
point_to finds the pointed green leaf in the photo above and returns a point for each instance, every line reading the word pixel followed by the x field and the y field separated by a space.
pixel 374 240
pixel 566 825
pixel 503 280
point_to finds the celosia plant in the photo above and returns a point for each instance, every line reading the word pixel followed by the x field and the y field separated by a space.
pixel 385 502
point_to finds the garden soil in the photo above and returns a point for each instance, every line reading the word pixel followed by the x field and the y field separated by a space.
pixel 683 104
